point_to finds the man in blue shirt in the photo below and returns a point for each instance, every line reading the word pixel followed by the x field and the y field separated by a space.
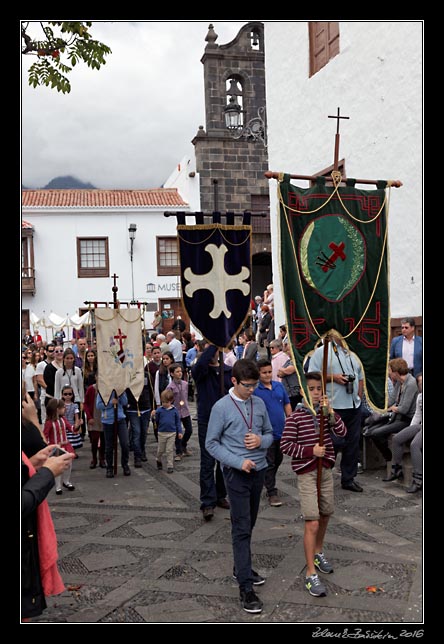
pixel 278 407
pixel 239 434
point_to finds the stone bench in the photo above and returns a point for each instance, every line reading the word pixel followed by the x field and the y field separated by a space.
pixel 373 460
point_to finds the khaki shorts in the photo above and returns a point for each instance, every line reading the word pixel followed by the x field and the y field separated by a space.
pixel 308 494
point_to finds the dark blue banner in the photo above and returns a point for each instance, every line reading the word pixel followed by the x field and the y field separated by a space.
pixel 215 262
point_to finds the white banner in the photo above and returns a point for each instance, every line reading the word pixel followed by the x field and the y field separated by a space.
pixel 119 351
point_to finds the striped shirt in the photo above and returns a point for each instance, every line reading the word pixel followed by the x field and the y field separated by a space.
pixel 301 434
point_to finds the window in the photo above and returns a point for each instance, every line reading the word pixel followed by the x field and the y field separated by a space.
pixel 92 257
pixel 167 256
pixel 28 270
pixel 25 257
pixel 324 43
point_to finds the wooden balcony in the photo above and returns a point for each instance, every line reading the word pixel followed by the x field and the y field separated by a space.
pixel 28 280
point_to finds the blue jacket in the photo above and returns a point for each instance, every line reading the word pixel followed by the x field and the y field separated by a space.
pixel 396 352
pixel 108 409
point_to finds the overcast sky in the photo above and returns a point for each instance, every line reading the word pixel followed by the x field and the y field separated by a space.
pixel 130 123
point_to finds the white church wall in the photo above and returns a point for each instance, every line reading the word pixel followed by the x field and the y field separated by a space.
pixel 185 178
pixel 376 80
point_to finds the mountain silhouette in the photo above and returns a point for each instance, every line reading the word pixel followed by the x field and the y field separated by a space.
pixel 66 183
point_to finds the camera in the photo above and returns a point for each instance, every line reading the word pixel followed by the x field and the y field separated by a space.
pixel 349 384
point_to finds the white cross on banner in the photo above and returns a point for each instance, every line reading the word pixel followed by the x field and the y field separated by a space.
pixel 119 351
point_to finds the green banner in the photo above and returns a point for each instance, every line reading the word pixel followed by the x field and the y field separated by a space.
pixel 334 273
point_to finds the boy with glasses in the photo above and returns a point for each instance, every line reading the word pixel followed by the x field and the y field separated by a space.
pixel 239 434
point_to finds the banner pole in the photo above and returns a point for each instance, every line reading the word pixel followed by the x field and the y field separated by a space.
pixel 115 288
pixel 324 413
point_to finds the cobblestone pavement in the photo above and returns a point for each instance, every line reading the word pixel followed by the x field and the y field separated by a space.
pixel 136 549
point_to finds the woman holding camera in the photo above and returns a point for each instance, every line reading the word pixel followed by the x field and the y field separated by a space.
pixel 344 394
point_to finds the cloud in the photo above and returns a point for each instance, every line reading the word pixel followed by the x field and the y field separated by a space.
pixel 128 124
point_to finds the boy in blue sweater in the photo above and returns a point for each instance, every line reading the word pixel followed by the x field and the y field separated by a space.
pixel 168 429
pixel 239 434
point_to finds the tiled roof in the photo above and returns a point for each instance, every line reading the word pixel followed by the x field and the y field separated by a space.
pixel 26 224
pixel 163 197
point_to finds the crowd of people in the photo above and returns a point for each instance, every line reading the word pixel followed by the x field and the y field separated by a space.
pixel 251 411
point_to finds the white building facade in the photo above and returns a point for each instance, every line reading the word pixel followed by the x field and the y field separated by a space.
pixel 373 72
pixel 73 241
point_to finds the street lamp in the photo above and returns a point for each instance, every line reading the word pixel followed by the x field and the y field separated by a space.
pixel 233 115
pixel 234 122
pixel 132 235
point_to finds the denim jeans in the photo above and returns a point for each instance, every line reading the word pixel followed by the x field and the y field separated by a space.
pixel 212 486
pixel 244 491
pixel 181 443
pixel 139 428
pixel 122 433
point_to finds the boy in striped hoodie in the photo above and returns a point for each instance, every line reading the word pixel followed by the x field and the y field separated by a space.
pixel 300 440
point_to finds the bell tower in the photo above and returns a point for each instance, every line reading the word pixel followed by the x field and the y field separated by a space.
pixel 231 150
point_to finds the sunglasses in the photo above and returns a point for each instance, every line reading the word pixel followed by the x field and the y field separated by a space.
pixel 58 351
pixel 67 394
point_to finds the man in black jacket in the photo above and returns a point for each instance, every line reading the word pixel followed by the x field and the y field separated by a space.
pixel 206 375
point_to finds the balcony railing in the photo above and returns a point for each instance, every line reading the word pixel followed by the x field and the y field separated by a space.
pixel 28 279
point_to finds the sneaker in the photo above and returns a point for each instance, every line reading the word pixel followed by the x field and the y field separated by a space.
pixel 110 473
pixel 250 601
pixel 274 501
pixel 170 470
pixel 258 580
pixel 126 470
pixel 159 465
pixel 178 457
pixel 143 457
pixel 137 463
pixel 322 563
pixel 314 586
pixel 187 453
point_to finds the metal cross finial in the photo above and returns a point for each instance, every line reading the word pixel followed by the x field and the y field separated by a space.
pixel 114 289
pixel 338 116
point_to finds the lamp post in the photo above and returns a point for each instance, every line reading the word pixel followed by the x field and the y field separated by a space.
pixel 132 235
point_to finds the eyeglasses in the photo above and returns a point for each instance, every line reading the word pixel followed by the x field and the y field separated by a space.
pixel 57 351
pixel 249 385
pixel 67 394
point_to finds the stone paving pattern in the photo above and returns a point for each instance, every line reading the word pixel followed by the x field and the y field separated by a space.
pixel 136 550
